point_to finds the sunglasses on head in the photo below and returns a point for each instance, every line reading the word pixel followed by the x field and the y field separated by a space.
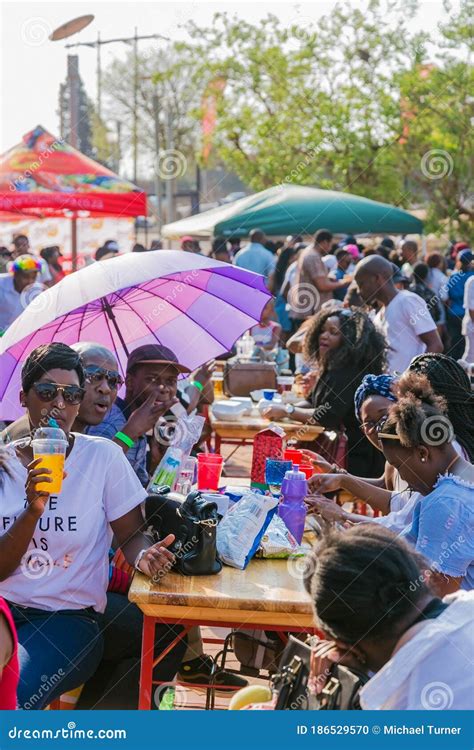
pixel 72 394
pixel 95 374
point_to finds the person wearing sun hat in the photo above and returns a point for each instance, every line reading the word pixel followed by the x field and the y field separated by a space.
pixel 18 288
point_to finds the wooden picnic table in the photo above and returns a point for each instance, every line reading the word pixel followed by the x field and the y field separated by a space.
pixel 268 595
pixel 244 430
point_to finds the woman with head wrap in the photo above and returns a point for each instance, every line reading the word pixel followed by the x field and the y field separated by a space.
pixel 373 398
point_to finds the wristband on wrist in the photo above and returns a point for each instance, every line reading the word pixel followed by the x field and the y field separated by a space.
pixel 197 385
pixel 138 559
pixel 125 439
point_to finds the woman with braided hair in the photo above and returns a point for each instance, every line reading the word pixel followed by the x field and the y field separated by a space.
pixel 449 379
pixel 372 598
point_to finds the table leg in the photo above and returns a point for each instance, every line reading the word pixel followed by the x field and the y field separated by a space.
pixel 146 667
pixel 217 443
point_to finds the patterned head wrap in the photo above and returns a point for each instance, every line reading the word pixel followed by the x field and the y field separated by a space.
pixel 373 385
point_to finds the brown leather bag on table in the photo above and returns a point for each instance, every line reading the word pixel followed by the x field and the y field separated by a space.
pixel 242 377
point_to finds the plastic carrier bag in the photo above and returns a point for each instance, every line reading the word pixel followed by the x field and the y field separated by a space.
pixel 240 531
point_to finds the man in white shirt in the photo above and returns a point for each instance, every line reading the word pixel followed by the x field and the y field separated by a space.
pixel 409 251
pixel 404 318
pixel 255 256
pixel 18 288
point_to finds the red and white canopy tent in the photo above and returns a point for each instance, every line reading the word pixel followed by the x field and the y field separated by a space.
pixel 45 177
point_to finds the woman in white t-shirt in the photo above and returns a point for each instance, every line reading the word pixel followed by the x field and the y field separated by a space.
pixel 372 599
pixel 54 548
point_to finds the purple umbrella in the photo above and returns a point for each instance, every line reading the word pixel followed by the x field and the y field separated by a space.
pixel 196 306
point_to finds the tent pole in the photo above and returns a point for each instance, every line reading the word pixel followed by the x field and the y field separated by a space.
pixel 110 314
pixel 74 243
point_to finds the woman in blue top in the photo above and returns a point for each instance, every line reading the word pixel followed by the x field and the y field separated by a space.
pixel 455 302
pixel 417 440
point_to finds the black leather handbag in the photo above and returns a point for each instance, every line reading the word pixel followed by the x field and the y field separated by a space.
pixel 341 691
pixel 194 525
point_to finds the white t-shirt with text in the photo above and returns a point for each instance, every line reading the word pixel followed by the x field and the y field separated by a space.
pixel 402 322
pixel 66 564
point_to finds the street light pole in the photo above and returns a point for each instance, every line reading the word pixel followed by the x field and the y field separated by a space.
pixel 170 180
pixel 159 203
pixel 135 107
pixel 99 78
pixel 97 44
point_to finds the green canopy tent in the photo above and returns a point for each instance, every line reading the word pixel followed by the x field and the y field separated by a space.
pixel 292 209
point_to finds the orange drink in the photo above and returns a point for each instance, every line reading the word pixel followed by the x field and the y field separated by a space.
pixel 50 445
pixel 54 462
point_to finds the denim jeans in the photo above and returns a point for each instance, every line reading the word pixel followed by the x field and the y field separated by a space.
pixel 115 684
pixel 57 651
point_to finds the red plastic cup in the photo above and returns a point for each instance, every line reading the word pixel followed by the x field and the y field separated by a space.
pixel 209 470
pixel 307 470
pixel 293 455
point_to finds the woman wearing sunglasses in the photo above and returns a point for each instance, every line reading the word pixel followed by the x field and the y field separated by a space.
pixel 54 548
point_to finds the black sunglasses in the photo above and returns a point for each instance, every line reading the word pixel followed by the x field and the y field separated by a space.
pixel 72 394
pixel 95 374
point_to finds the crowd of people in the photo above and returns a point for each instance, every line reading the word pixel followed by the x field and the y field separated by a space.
pixel 375 334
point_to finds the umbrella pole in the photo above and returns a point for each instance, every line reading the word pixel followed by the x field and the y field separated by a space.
pixel 74 243
pixel 110 314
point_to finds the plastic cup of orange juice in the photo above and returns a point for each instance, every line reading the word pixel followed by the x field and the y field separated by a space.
pixel 50 445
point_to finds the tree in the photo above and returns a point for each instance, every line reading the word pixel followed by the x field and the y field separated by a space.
pixel 297 104
pixel 164 72
pixel 331 106
pixel 437 153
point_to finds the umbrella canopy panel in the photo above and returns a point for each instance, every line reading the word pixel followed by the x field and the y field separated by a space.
pixel 293 209
pixel 196 306
pixel 43 175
